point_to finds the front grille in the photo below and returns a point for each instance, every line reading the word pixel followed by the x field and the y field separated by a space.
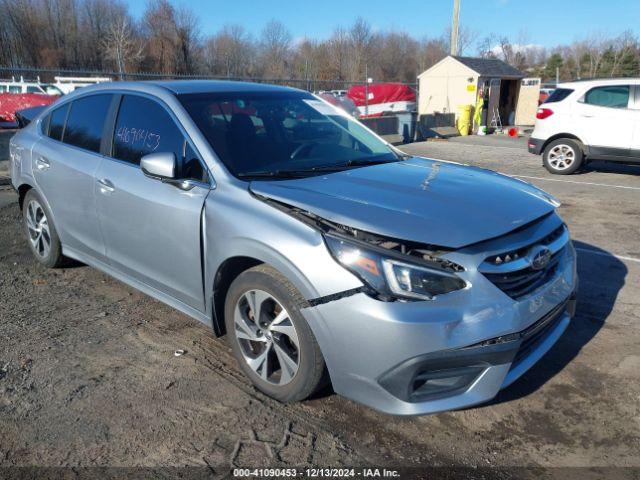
pixel 538 332
pixel 519 283
pixel 510 256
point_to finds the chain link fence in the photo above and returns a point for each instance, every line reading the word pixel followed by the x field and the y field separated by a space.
pixel 47 75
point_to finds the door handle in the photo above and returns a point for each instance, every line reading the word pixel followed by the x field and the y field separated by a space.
pixel 586 116
pixel 42 163
pixel 106 186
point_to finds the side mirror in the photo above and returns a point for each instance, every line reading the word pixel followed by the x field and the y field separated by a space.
pixel 160 165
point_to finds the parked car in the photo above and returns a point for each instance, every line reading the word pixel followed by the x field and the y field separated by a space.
pixel 70 84
pixel 342 102
pixel 25 116
pixel 10 103
pixel 28 86
pixel 324 253
pixel 588 120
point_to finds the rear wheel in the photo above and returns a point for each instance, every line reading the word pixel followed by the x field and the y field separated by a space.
pixel 41 232
pixel 270 339
pixel 563 156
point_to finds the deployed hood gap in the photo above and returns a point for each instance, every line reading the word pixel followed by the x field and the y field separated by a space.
pixel 426 253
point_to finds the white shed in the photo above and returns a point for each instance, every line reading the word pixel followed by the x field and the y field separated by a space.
pixel 454 81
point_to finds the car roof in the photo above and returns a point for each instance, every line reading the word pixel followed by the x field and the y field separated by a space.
pixel 179 87
pixel 602 81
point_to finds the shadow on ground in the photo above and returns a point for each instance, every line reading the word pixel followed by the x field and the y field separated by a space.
pixel 609 167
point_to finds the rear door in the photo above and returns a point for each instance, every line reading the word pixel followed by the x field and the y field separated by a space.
pixel 152 229
pixel 604 120
pixel 64 164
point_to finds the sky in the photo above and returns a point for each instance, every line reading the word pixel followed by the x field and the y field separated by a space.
pixel 539 22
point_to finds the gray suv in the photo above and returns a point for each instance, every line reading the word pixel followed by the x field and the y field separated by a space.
pixel 322 252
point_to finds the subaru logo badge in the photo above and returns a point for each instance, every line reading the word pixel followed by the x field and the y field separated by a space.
pixel 540 258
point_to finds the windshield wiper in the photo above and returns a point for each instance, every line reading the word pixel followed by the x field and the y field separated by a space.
pixel 290 173
pixel 270 174
pixel 361 162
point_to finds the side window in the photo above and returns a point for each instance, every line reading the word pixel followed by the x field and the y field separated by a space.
pixel 144 127
pixel 56 123
pixel 85 122
pixel 15 89
pixel 33 89
pixel 558 95
pixel 3 88
pixel 613 96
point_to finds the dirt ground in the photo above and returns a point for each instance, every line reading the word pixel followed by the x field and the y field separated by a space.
pixel 88 375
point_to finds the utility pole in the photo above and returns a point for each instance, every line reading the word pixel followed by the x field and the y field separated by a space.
pixel 454 27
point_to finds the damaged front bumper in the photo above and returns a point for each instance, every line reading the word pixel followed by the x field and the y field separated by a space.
pixel 412 358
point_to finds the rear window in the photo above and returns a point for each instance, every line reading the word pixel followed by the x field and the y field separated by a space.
pixel 612 96
pixel 558 95
pixel 56 123
pixel 86 120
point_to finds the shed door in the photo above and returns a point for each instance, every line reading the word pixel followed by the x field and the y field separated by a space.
pixel 528 99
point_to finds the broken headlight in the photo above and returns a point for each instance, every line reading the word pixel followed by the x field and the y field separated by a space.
pixel 389 276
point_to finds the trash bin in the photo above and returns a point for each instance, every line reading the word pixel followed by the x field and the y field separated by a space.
pixel 407 125
pixel 464 119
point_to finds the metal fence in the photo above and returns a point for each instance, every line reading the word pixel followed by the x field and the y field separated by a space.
pixel 48 74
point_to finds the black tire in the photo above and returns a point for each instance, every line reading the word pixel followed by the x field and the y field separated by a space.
pixel 311 373
pixel 571 162
pixel 53 258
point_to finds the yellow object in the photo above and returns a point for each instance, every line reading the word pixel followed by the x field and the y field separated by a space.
pixel 464 119
pixel 471 88
pixel 477 116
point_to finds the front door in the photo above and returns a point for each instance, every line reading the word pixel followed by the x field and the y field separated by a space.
pixel 604 120
pixel 152 229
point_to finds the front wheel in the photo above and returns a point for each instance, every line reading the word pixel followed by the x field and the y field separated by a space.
pixel 563 156
pixel 270 338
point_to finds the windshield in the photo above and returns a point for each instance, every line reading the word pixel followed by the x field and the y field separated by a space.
pixel 280 133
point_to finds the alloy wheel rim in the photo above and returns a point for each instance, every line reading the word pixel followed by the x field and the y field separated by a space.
pixel 267 337
pixel 562 157
pixel 38 227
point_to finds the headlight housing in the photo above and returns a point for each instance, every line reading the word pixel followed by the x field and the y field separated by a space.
pixel 392 277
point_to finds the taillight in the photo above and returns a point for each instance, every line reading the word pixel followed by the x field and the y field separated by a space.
pixel 543 113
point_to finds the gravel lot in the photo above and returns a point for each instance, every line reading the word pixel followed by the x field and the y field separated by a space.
pixel 88 375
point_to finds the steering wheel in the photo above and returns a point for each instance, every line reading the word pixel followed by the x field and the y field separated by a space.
pixel 301 148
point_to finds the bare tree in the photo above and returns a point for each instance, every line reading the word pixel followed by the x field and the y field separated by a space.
pixel 626 44
pixel 275 45
pixel 338 47
pixel 230 52
pixel 160 28
pixel 432 50
pixel 360 43
pixel 121 46
pixel 467 36
pixel 397 57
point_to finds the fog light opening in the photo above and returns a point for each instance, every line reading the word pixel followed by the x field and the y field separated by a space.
pixel 443 383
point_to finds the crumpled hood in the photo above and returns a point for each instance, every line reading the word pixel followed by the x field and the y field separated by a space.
pixel 418 200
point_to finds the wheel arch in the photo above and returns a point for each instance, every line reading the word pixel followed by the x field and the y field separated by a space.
pixel 227 272
pixel 558 136
pixel 22 193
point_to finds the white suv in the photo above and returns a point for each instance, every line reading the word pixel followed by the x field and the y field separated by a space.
pixel 588 120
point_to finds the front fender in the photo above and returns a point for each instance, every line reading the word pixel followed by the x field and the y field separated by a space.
pixel 236 224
